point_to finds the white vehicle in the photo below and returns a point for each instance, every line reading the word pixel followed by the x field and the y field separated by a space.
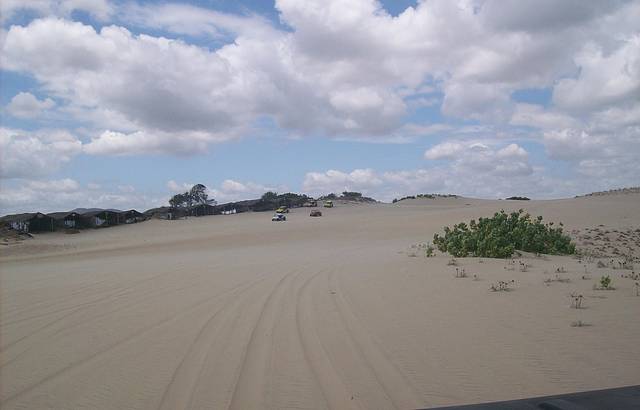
pixel 278 218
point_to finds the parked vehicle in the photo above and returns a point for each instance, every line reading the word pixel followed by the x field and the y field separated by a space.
pixel 278 218
pixel 315 213
pixel 328 204
pixel 311 204
pixel 282 210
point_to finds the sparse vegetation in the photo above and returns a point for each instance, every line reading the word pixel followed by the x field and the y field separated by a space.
pixel 427 196
pixel 576 301
pixel 501 286
pixel 605 283
pixel 518 198
pixel 501 235
pixel 428 250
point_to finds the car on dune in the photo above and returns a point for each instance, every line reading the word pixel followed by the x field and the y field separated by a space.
pixel 315 213
pixel 278 218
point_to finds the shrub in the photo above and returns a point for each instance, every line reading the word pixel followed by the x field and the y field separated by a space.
pixel 605 282
pixel 503 234
pixel 428 251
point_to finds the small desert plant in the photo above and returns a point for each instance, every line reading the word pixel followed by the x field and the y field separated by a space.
pixel 460 273
pixel 501 286
pixel 578 323
pixel 576 301
pixel 601 265
pixel 605 282
pixel 452 262
pixel 428 251
pixel 637 288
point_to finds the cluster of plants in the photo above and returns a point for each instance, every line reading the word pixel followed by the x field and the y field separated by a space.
pixel 501 235
pixel 518 198
pixel 428 196
pixel 605 283
pixel 272 200
pixel 197 195
pixel 348 196
pixel 501 286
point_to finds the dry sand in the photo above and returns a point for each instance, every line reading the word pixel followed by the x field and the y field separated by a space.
pixel 332 312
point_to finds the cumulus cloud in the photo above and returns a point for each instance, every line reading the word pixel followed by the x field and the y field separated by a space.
pixel 469 167
pixel 100 9
pixel 32 154
pixel 604 79
pixel 338 181
pixel 50 195
pixel 354 73
pixel 192 20
pixel 228 190
pixel 27 105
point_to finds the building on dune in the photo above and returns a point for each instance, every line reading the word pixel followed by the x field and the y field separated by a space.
pixel 29 222
pixel 131 216
pixel 165 212
pixel 101 218
pixel 202 210
pixel 68 220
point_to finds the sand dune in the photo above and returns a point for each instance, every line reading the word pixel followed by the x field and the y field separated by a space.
pixel 333 312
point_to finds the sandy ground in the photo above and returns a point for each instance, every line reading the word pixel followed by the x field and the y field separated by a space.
pixel 333 312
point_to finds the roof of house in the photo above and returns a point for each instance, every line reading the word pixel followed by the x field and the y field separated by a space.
pixel 63 215
pixel 131 212
pixel 102 211
pixel 22 217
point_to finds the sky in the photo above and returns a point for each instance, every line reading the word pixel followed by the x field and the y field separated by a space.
pixel 121 104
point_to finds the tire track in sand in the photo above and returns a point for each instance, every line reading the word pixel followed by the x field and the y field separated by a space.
pixel 87 360
pixel 333 388
pixel 372 358
pixel 180 391
pixel 251 386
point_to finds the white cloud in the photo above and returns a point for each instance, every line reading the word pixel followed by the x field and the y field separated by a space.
pixel 194 21
pixel 350 73
pixel 65 194
pixel 229 190
pixel 337 181
pixel 100 9
pixel 27 105
pixel 603 79
pixel 30 154
pixel 536 116
pixel 142 142
pixel 178 188
pixel 446 150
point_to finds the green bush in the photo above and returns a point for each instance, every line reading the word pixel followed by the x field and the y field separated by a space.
pixel 605 282
pixel 501 235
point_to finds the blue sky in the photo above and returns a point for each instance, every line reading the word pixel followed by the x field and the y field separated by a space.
pixel 123 103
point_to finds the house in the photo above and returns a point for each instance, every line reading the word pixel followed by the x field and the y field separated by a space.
pixel 29 222
pixel 68 220
pixel 131 216
pixel 202 210
pixel 165 212
pixel 101 218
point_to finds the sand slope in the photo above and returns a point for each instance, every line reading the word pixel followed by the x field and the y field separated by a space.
pixel 333 312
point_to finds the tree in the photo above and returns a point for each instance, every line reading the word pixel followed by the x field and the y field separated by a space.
pixel 197 195
pixel 178 201
pixel 269 196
